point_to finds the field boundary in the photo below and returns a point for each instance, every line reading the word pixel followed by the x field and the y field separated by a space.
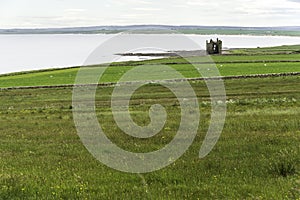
pixel 215 62
pixel 129 64
pixel 108 84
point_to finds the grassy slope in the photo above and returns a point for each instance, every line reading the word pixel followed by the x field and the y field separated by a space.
pixel 270 50
pixel 42 156
pixel 67 76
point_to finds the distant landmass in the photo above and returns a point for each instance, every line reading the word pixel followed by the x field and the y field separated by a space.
pixel 228 30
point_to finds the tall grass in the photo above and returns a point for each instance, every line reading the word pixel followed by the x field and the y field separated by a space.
pixel 256 157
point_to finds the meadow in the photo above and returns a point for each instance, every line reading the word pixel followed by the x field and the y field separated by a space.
pixel 282 59
pixel 256 157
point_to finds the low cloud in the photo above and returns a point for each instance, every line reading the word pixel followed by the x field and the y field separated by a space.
pixel 74 10
pixel 147 9
pixel 173 12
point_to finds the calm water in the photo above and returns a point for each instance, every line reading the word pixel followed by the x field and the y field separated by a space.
pixel 29 52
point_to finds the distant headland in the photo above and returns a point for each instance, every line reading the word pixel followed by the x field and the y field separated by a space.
pixel 203 30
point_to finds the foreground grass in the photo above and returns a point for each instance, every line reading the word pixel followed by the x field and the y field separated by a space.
pixel 257 156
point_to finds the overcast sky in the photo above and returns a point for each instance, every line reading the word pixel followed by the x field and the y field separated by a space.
pixel 70 13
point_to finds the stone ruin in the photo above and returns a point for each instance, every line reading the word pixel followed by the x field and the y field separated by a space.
pixel 214 47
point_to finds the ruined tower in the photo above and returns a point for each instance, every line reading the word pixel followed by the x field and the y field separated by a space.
pixel 214 47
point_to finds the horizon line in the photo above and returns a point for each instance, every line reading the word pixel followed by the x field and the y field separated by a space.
pixel 163 25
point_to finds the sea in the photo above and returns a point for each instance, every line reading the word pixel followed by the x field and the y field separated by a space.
pixel 33 52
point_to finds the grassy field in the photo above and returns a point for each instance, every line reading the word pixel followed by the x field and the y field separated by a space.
pixel 257 156
pixel 228 65
pixel 286 49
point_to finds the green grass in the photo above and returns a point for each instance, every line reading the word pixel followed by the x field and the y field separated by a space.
pixel 232 58
pixel 243 65
pixel 256 157
pixel 43 158
pixel 285 49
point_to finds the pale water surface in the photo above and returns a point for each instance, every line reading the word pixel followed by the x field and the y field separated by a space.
pixel 31 52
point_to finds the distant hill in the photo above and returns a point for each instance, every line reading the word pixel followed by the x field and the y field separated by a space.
pixel 288 30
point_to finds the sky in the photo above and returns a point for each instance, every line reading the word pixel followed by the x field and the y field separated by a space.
pixel 75 13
